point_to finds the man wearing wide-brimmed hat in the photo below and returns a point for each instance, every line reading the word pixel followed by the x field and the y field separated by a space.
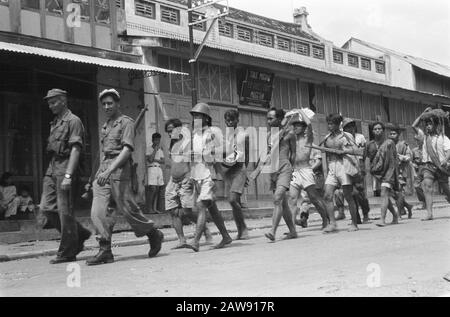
pixel 64 148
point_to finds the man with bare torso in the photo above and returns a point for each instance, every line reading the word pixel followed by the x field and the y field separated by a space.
pixel 284 154
pixel 303 176
pixel 180 189
pixel 338 172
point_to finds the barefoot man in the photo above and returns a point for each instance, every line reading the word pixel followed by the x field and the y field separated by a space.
pixel 303 176
pixel 237 145
pixel 281 177
pixel 382 154
pixel 435 155
pixel 204 145
pixel 339 173
pixel 180 189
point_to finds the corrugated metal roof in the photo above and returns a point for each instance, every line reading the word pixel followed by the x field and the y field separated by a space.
pixel 258 20
pixel 79 58
pixel 421 63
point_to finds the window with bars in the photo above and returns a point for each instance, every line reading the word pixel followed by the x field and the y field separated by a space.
pixel 214 81
pixel 225 29
pixel 102 12
pixel 170 15
pixel 285 93
pixel 318 52
pixel 283 44
pixel 200 26
pixel 30 4
pixel 380 67
pixel 54 6
pixel 302 48
pixel 84 9
pixel 244 34
pixel 265 39
pixel 145 8
pixel 353 60
pixel 365 64
pixel 338 57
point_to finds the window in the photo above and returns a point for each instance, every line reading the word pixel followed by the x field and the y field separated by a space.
pixel 102 11
pixel 30 4
pixel 54 6
pixel 318 52
pixel 225 29
pixel 302 48
pixel 214 81
pixel 145 8
pixel 380 67
pixel 284 93
pixel 170 15
pixel 284 44
pixel 244 34
pixel 200 26
pixel 353 60
pixel 338 57
pixel 365 64
pixel 265 39
pixel 84 9
pixel 120 4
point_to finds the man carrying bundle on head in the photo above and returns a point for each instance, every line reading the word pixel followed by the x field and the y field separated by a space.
pixel 435 154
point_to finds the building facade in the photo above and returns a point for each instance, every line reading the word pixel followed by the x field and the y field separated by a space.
pixel 72 45
pixel 252 62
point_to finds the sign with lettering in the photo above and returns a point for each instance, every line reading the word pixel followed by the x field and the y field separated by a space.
pixel 257 88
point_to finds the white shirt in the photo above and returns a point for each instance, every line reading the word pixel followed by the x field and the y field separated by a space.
pixel 205 147
pixel 360 140
pixel 440 143
pixel 158 156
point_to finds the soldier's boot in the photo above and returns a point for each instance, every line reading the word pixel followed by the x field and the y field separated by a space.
pixel 155 239
pixel 103 256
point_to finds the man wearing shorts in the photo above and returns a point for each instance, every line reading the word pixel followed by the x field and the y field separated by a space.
pixel 337 170
pixel 180 188
pixel 435 156
pixel 382 154
pixel 303 176
pixel 204 145
pixel 281 177
pixel 235 176
pixel 155 179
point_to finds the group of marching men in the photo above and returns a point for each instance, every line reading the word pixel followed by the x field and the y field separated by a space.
pixel 194 167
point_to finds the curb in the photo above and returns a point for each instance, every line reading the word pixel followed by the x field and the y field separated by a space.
pixel 137 242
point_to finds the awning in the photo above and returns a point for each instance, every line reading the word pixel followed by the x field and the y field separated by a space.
pixel 79 58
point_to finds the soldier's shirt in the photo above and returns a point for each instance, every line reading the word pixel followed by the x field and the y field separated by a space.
pixel 116 134
pixel 65 132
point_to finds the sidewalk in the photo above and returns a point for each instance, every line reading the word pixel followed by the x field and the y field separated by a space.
pixel 260 219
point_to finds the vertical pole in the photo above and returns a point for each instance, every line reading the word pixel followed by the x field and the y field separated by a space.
pixel 193 64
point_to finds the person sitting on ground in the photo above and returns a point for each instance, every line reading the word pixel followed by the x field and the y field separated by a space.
pixel 25 203
pixel 8 194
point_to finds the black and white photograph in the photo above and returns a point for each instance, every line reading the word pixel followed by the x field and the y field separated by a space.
pixel 239 151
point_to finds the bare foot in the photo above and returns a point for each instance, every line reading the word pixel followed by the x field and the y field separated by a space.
pixel 243 235
pixel 381 224
pixel 330 228
pixel 223 243
pixel 394 221
pixel 353 228
pixel 290 235
pixel 270 236
pixel 427 218
pixel 341 216
pixel 181 245
pixel 193 246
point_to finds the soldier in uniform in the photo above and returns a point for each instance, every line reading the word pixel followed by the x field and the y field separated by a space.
pixel 64 146
pixel 113 181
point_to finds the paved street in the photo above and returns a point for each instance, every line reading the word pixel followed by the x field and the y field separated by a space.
pixel 411 258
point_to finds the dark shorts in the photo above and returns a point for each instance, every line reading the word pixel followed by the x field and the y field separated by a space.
pixel 235 179
pixel 282 177
pixel 430 171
